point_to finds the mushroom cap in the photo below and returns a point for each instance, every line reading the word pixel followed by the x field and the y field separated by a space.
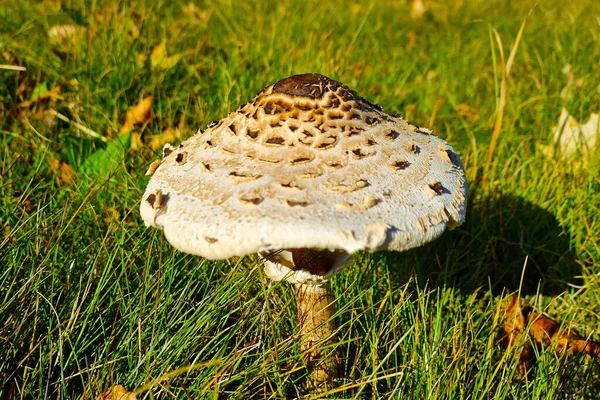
pixel 306 164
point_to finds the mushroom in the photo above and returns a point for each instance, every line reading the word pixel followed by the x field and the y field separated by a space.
pixel 305 175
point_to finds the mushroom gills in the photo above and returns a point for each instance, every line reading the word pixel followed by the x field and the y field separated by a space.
pixel 319 262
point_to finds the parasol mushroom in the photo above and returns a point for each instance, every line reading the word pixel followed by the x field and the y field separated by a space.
pixel 305 175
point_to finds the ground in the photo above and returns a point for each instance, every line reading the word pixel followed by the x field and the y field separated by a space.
pixel 90 298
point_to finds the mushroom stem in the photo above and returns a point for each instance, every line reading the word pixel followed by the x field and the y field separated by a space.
pixel 318 332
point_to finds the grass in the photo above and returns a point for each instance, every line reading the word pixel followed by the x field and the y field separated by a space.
pixel 90 298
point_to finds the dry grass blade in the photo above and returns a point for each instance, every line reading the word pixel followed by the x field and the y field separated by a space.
pixel 503 93
pixel 12 67
pixel 79 126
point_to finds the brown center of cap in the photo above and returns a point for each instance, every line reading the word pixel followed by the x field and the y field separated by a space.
pixel 306 85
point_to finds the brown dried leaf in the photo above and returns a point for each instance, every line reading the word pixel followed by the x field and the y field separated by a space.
pixel 137 115
pixel 169 135
pixel 28 206
pixel 467 112
pixel 136 141
pixel 21 89
pixel 51 95
pixel 54 164
pixel 117 392
pixel 25 202
pixel 66 173
pixel 543 332
pixel 514 326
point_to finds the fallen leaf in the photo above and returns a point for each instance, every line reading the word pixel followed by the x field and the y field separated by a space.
pixel 117 392
pixel 66 173
pixel 169 135
pixel 196 15
pixel 66 37
pixel 542 332
pixel 546 332
pixel 40 93
pixel 570 137
pixel 159 58
pixel 417 9
pixel 140 59
pixel 54 164
pixel 514 327
pixel 25 202
pixel 136 141
pixel 21 89
pixel 137 115
pixel 60 33
pixel 467 112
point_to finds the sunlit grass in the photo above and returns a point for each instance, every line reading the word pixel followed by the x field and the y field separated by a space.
pixel 90 298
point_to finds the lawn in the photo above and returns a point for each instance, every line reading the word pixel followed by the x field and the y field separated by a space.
pixel 90 91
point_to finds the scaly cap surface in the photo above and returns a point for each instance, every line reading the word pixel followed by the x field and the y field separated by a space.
pixel 307 164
